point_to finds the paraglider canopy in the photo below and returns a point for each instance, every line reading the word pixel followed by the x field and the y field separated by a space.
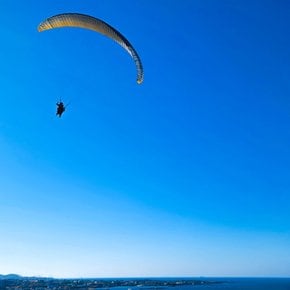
pixel 95 24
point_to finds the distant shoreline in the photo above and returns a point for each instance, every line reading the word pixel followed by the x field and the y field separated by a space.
pixel 11 281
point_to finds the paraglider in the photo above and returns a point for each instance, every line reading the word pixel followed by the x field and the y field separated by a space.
pixel 60 108
pixel 95 24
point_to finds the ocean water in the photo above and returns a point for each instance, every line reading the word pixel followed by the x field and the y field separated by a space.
pixel 224 284
pixel 242 284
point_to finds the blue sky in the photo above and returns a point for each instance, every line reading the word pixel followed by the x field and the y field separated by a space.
pixel 187 174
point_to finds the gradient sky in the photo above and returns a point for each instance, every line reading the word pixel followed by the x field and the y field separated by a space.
pixel 187 174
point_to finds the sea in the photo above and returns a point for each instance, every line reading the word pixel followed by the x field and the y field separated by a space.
pixel 241 284
pixel 221 284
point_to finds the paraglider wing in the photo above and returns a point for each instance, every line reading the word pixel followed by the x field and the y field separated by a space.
pixel 89 22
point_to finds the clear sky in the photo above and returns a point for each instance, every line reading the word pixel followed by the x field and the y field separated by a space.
pixel 187 174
